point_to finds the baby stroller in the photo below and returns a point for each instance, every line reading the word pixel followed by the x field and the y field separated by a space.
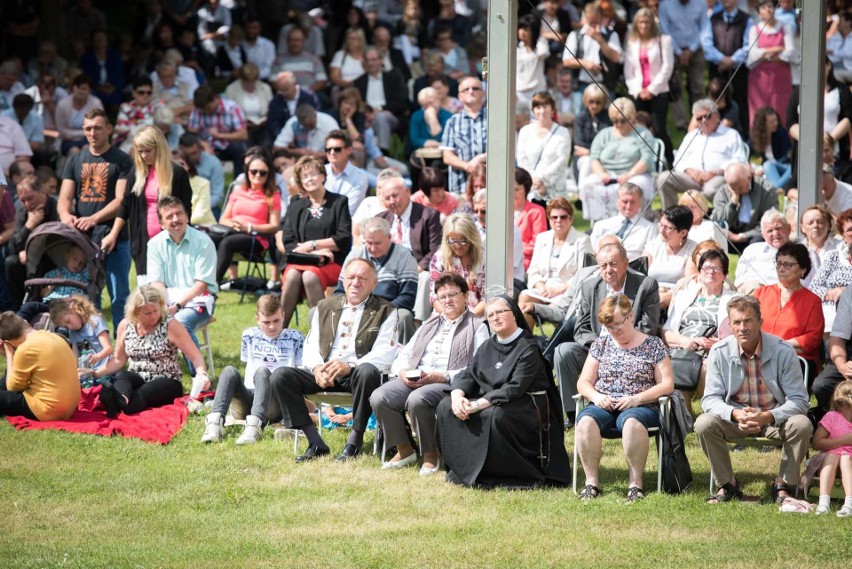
pixel 46 248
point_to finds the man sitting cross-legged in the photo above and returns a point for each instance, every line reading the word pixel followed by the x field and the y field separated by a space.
pixel 264 348
pixel 352 337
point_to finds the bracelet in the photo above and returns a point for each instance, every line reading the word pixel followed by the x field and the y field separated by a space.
pixel 314 243
pixel 249 228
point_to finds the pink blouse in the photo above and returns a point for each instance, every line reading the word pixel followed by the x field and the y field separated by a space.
pixel 837 426
pixel 152 194
pixel 645 66
pixel 252 206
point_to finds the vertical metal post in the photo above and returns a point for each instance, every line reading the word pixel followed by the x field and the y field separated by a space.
pixel 500 176
pixel 811 104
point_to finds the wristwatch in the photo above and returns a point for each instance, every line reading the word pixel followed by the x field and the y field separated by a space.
pixel 179 305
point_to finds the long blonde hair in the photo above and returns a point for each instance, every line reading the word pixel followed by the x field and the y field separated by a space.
pixel 151 137
pixel 463 224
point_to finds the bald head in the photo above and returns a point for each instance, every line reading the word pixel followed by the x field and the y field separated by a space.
pixel 738 178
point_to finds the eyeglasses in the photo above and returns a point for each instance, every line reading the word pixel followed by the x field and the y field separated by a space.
pixel 479 211
pixel 334 149
pixel 496 314
pixel 701 117
pixel 259 172
pixel 309 175
pixel 449 296
pixel 558 217
pixel 461 242
pixel 664 227
pixel 710 269
pixel 614 327
pixel 143 91
pixel 786 264
pixel 620 121
pixel 467 89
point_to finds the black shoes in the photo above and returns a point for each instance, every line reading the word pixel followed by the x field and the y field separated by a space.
pixel 107 398
pixel 350 451
pixel 312 453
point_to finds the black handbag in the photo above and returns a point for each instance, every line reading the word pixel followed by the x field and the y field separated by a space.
pixel 686 367
pixel 219 230
pixel 307 259
pixel 677 474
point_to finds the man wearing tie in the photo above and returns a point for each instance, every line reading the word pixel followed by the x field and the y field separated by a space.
pixel 342 176
pixel 629 226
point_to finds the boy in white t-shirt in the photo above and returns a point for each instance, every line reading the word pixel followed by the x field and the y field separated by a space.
pixel 265 348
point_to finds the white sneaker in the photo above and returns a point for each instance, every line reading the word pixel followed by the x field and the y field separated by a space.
pixel 823 510
pixel 226 285
pixel 215 431
pixel 844 512
pixel 253 431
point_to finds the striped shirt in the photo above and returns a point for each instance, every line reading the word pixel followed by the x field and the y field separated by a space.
pixel 467 136
pixel 753 392
pixel 228 117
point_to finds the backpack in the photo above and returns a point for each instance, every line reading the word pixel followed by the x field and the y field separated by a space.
pixel 677 474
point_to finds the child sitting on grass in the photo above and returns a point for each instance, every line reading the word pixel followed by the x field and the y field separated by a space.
pixel 85 324
pixel 833 437
pixel 264 348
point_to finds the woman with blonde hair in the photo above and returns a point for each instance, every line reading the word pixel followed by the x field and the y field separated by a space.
pixel 154 176
pixel 462 253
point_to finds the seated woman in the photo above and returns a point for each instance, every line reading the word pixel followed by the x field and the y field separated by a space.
pixel 667 256
pixel 501 425
pixel 691 276
pixel 619 154
pixel 835 273
pixel 530 218
pixel 253 211
pixel 557 255
pixel 817 231
pixel 544 150
pixel 149 340
pixel 771 143
pixel 318 225
pixel 433 192
pixel 440 349
pixel 624 376
pixel 589 122
pixel 789 310
pixel 695 318
pixel 461 253
pixel 702 228
pixel 427 122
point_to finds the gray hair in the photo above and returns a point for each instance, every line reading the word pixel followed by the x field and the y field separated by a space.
pixel 424 93
pixel 372 224
pixel 704 105
pixel 480 196
pixel 771 216
pixel 630 188
pixel 619 247
pixel 388 174
pixel 744 302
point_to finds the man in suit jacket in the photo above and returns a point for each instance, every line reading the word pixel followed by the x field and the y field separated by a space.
pixel 434 71
pixel 615 278
pixel 352 338
pixel 741 203
pixel 414 226
pixel 288 95
pixel 385 92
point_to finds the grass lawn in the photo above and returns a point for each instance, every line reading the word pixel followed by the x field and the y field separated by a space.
pixel 85 501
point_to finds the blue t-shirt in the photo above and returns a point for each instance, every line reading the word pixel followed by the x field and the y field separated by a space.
pixel 66 291
pixel 258 350
pixel 90 331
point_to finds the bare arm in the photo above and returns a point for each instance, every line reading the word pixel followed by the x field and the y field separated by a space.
pixel 180 338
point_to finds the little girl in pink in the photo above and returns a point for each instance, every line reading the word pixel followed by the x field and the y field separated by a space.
pixel 833 437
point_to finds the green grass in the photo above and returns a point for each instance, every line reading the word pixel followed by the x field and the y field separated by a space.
pixel 85 501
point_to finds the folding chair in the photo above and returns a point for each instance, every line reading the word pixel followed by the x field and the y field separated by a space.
pixel 580 403
pixel 764 441
pixel 205 346
pixel 256 264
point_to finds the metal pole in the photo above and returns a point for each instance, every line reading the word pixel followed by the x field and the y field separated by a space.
pixel 500 175
pixel 811 103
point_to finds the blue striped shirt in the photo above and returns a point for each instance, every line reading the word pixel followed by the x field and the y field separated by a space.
pixel 467 136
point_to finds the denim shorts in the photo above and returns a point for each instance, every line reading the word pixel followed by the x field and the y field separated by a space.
pixel 614 420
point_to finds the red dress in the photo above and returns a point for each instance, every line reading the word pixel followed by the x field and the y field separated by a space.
pixel 531 221
pixel 770 83
pixel 800 319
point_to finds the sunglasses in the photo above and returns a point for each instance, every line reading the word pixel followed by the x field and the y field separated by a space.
pixel 259 172
pixel 558 217
pixel 479 211
pixel 334 149
pixel 461 242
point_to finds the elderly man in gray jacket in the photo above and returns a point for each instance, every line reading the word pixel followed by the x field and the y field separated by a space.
pixel 754 388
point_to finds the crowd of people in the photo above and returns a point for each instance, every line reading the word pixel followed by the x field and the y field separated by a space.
pixel 357 139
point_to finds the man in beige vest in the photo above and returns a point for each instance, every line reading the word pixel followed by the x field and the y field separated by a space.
pixel 351 339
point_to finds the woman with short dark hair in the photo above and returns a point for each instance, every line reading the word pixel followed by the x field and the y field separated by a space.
pixel 667 256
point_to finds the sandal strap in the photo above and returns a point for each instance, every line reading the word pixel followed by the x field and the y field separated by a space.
pixel 635 493
pixel 590 491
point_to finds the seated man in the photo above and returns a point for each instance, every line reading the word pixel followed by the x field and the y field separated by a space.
pixel 385 92
pixel 754 388
pixel 836 193
pixel 629 226
pixel 702 156
pixel 205 165
pixel 757 263
pixel 351 339
pixel 305 132
pixel 396 268
pixel 441 347
pixel 413 226
pixel 41 380
pixel 221 124
pixel 288 95
pixel 741 203
pixel 839 366
pixel 182 264
pixel 615 278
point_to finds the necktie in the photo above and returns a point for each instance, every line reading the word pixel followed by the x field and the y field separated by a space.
pixel 622 231
pixel 397 236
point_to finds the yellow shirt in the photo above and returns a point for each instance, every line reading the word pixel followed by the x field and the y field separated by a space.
pixel 45 370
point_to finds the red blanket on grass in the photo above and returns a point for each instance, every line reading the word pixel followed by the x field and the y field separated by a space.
pixel 156 425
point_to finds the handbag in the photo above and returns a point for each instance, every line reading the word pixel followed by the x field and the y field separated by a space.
pixel 307 259
pixel 219 230
pixel 686 367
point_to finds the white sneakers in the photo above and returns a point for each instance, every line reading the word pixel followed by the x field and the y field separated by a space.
pixel 844 512
pixel 252 432
pixel 215 430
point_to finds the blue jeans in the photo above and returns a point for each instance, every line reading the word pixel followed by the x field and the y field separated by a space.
pixel 117 267
pixel 192 318
pixel 609 420
pixel 779 174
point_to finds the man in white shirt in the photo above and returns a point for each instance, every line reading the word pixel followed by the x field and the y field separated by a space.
pixel 342 176
pixel 589 49
pixel 634 230
pixel 757 263
pixel 306 67
pixel 836 193
pixel 352 338
pixel 703 155
pixel 259 50
pixel 838 47
pixel 305 133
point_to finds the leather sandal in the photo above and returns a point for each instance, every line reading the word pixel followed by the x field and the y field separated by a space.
pixel 775 492
pixel 634 494
pixel 732 492
pixel 590 492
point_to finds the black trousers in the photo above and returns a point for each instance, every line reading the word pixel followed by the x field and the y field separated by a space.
pixel 16 274
pixel 143 394
pixel 13 403
pixel 290 385
pixel 236 243
pixel 824 384
pixel 658 108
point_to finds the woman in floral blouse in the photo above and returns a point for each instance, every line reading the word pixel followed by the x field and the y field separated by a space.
pixel 462 253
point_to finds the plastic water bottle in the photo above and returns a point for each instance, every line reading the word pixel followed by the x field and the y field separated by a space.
pixel 84 348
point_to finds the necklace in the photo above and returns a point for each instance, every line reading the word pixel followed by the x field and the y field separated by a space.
pixel 316 212
pixel 702 299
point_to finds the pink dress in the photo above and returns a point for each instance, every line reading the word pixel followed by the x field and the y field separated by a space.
pixel 446 207
pixel 770 83
pixel 837 426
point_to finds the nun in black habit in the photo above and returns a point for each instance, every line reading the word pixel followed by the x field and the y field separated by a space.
pixel 501 424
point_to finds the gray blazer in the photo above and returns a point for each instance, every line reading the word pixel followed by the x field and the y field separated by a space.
pixel 779 368
pixel 764 196
pixel 643 291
